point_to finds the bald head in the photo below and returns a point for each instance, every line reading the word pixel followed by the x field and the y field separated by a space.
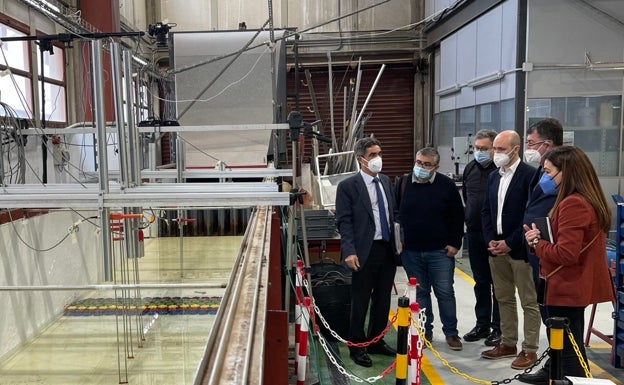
pixel 507 142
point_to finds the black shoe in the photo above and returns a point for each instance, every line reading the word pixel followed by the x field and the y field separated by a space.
pixel 361 358
pixel 538 378
pixel 494 338
pixel 381 348
pixel 476 334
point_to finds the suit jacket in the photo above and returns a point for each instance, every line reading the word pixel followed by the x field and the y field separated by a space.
pixel 354 216
pixel 513 209
pixel 584 278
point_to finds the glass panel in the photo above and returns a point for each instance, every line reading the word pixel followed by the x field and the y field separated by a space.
pixel 488 117
pixel 507 114
pixel 445 127
pixel 466 121
pixel 53 65
pixel 18 95
pixel 55 109
pixel 593 123
pixel 14 53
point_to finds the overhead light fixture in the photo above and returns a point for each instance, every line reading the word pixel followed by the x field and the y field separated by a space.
pixel 139 60
pixel 448 90
pixel 606 66
pixel 486 79
pixel 44 6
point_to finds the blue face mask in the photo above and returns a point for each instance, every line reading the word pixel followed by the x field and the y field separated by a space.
pixel 482 156
pixel 421 173
pixel 548 185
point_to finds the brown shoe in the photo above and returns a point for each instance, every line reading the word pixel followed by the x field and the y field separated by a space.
pixel 500 351
pixel 454 342
pixel 524 360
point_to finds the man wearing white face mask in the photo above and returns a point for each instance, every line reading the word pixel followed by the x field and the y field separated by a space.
pixel 432 218
pixel 541 137
pixel 503 210
pixel 365 213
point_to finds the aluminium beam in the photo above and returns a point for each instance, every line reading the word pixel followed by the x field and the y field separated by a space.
pixel 111 129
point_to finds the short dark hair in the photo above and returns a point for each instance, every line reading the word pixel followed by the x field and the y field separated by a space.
pixel 485 133
pixel 431 153
pixel 363 144
pixel 548 129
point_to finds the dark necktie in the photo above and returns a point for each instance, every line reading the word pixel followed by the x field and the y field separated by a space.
pixel 385 229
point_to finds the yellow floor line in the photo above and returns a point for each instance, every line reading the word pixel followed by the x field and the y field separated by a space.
pixel 425 365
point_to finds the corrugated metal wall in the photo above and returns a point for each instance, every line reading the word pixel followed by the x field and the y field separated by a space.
pixel 392 108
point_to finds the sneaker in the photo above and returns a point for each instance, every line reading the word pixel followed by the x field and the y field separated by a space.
pixel 454 342
pixel 493 339
pixel 524 360
pixel 477 333
pixel 500 351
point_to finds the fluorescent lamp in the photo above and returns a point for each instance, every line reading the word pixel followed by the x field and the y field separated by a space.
pixel 485 79
pixel 139 60
pixel 606 66
pixel 448 90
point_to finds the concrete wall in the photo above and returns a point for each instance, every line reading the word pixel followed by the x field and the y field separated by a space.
pixel 72 261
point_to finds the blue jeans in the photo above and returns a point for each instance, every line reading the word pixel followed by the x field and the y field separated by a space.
pixel 434 269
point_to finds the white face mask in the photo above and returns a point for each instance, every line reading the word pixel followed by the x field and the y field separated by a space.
pixel 374 165
pixel 532 157
pixel 501 160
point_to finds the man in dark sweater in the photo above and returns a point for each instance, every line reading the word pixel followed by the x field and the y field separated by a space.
pixel 432 218
pixel 475 179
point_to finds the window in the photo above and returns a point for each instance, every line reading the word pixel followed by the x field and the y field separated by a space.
pixel 17 75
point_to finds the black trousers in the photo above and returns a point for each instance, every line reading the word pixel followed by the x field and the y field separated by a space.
pixel 576 316
pixel 372 284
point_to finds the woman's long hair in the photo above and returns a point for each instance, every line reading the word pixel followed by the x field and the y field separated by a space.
pixel 578 176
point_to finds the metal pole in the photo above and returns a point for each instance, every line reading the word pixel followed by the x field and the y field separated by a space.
pixel 403 317
pixel 113 287
pixel 100 122
pixel 556 326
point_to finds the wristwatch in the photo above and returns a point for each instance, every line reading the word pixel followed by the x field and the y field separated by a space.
pixel 536 241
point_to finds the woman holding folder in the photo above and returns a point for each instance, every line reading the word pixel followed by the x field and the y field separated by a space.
pixel 573 263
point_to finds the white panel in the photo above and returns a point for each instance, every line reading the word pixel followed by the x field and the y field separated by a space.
pixel 448 103
pixel 488 48
pixel 509 34
pixel 448 61
pixel 585 30
pixel 467 59
pixel 508 87
pixel 193 16
pixel 488 93
pixel 436 79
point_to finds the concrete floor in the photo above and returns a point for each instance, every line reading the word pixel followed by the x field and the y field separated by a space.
pixel 439 365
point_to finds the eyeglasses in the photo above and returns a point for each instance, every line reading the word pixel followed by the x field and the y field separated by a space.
pixel 530 143
pixel 425 164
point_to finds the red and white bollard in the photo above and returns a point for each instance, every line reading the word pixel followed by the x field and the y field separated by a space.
pixel 411 289
pixel 416 344
pixel 298 299
pixel 302 353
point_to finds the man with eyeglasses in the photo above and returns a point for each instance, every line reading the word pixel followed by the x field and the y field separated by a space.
pixel 474 183
pixel 541 137
pixel 432 219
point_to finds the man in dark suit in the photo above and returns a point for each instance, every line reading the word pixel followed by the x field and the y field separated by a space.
pixel 503 211
pixel 365 212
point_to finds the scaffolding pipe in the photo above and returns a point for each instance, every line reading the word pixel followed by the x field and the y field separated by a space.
pixel 113 287
pixel 102 165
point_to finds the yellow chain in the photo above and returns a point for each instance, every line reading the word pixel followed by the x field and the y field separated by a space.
pixel 578 353
pixel 445 362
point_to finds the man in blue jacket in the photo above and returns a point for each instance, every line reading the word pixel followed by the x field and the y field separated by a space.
pixel 503 211
pixel 365 213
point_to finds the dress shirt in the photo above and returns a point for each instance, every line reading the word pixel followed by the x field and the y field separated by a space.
pixel 505 180
pixel 372 193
